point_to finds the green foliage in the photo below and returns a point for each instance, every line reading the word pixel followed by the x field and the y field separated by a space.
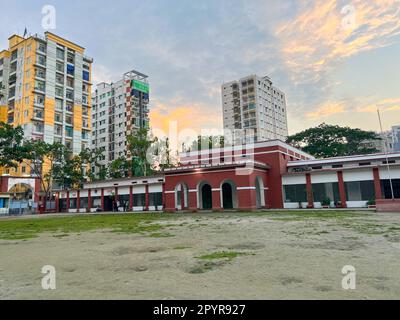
pixel 93 158
pixel 163 156
pixel 326 141
pixel 118 168
pixel 138 146
pixel 229 255
pixel 207 142
pixel 31 228
pixel 11 150
pixel 326 202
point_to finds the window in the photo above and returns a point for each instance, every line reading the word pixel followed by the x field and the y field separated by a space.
pixel 58 117
pixel 40 60
pixel 360 190
pixel 69 107
pixel 68 119
pixel 70 69
pixel 295 193
pixel 59 104
pixel 70 58
pixel 85 111
pixel 39 100
pixel 387 190
pixel 58 130
pixel 59 92
pixel 70 94
pixel 85 75
pixel 59 79
pixel 85 99
pixel 60 54
pixel 322 191
pixel 39 85
pixel 38 113
pixel 69 132
pixel 60 67
pixel 70 82
pixel 41 47
pixel 38 127
pixel 139 200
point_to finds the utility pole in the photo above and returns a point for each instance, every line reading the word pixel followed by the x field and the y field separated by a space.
pixel 387 156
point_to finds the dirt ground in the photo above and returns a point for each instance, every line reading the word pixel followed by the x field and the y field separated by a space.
pixel 268 256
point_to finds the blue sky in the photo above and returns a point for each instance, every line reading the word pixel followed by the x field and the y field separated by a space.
pixel 331 72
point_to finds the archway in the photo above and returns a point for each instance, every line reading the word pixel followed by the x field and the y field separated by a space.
pixel 21 192
pixel 21 198
pixel 205 196
pixel 260 193
pixel 229 195
pixel 181 196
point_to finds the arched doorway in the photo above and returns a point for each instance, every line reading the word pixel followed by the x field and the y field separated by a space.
pixel 229 195
pixel 181 196
pixel 21 198
pixel 205 196
pixel 260 193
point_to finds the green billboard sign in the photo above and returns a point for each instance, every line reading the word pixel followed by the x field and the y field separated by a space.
pixel 141 86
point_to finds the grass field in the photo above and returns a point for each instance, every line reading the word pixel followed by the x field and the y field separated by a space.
pixel 257 255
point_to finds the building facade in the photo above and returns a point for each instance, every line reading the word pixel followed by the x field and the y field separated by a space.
pixel 265 175
pixel 119 109
pixel 46 90
pixel 253 104
pixel 45 87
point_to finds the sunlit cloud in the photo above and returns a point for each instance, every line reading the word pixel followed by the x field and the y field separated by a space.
pixel 327 109
pixel 193 117
pixel 383 105
pixel 323 34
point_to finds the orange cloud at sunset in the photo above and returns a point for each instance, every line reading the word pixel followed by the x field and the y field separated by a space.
pixel 323 33
pixel 327 109
pixel 194 116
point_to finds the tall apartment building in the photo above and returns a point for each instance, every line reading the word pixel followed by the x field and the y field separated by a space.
pixel 119 109
pixel 47 90
pixel 253 104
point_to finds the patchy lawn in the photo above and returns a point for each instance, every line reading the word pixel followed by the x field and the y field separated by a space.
pixel 256 255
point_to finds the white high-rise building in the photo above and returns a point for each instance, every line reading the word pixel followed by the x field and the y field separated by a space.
pixel 253 104
pixel 119 110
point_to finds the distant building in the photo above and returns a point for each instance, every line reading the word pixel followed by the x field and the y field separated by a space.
pixel 385 144
pixel 253 104
pixel 396 138
pixel 119 109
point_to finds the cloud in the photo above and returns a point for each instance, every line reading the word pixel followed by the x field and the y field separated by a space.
pixel 187 116
pixel 322 34
pixel 327 109
pixel 102 74
pixel 384 105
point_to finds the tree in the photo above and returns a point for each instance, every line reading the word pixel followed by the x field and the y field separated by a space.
pixel 207 142
pixel 163 156
pixel 118 168
pixel 326 141
pixel 44 161
pixel 138 146
pixel 93 157
pixel 11 149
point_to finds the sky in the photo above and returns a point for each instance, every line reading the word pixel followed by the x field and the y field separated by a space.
pixel 337 61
